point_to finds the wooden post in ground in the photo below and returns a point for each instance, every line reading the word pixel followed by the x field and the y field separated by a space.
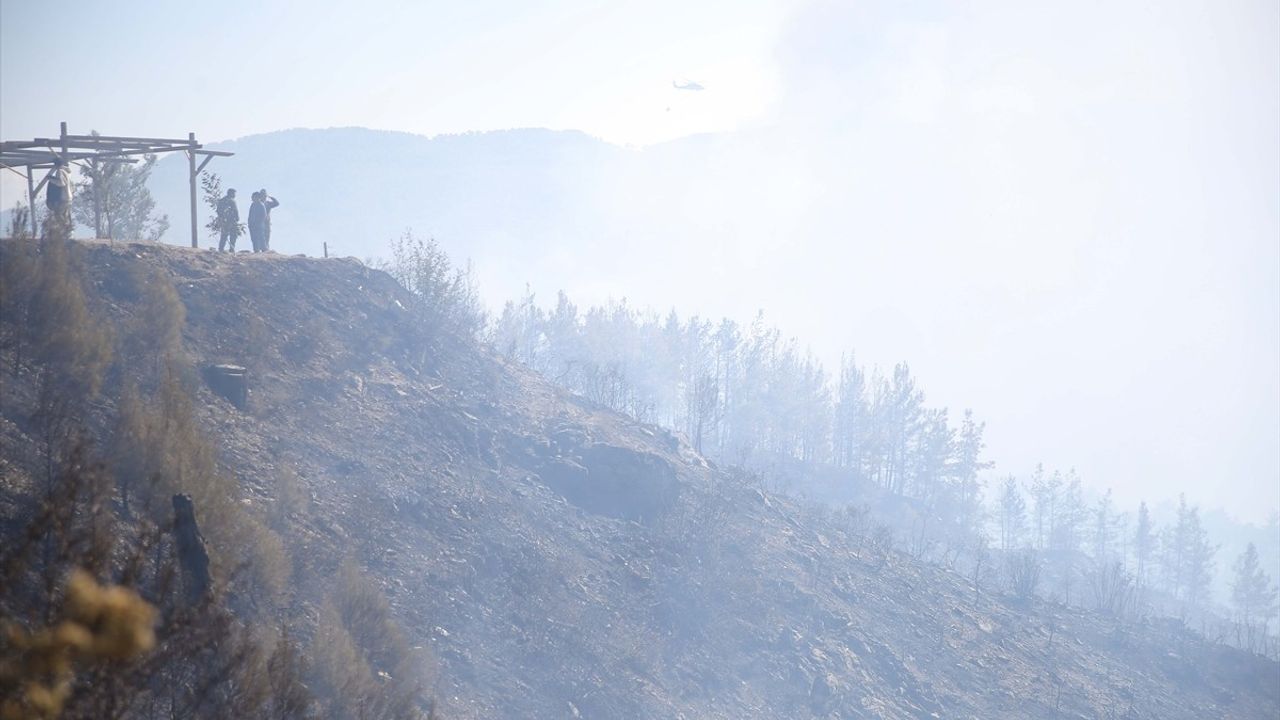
pixel 326 250
pixel 66 208
pixel 191 167
pixel 31 199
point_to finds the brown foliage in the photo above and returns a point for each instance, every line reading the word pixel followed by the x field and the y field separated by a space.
pixel 362 665
pixel 202 660
pixel 102 622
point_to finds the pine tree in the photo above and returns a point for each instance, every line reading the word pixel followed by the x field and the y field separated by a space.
pixel 966 463
pixel 904 406
pixel 930 458
pixel 1197 560
pixel 1254 598
pixel 1144 542
pixel 1044 495
pixel 1068 518
pixel 1103 529
pixel 852 418
pixel 1013 514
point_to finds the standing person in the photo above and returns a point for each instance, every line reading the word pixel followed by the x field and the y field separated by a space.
pixel 269 203
pixel 58 194
pixel 228 221
pixel 258 223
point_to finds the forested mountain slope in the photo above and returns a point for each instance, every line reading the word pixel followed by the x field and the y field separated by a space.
pixel 557 559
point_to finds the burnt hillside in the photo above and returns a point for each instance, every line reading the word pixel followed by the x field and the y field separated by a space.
pixel 559 560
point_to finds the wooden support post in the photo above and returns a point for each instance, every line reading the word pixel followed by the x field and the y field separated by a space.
pixel 203 163
pixel 66 208
pixel 191 166
pixel 31 200
pixel 52 170
pixel 326 250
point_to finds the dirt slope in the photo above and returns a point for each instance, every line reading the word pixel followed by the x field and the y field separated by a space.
pixel 563 561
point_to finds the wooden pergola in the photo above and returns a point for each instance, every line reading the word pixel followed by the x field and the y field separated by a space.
pixel 28 157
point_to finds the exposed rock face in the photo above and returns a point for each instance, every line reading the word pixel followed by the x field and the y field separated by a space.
pixel 560 560
pixel 229 381
pixel 614 482
pixel 193 557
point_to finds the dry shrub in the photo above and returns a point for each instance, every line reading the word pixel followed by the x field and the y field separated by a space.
pixel 161 452
pixel 366 612
pixel 339 671
pixel 204 662
pixel 445 303
pixel 291 500
pixel 264 562
pixel 56 337
pixel 19 261
pixel 67 342
pixel 285 669
pixel 1112 589
pixel 101 623
pixel 154 337
pixel 210 661
pixel 361 663
pixel 1022 569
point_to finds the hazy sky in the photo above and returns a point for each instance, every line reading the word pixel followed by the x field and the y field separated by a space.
pixel 1064 215
pixel 238 68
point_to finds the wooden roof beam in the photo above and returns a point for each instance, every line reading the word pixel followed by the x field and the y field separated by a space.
pixel 122 138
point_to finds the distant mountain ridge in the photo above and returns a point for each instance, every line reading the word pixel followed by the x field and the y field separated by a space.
pixel 556 209
pixel 508 193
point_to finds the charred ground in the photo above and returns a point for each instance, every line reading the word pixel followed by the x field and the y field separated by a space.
pixel 559 560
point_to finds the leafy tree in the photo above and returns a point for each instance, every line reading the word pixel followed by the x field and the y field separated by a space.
pixel 211 193
pixel 113 199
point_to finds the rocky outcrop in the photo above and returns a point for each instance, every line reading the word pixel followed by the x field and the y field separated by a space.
pixel 614 482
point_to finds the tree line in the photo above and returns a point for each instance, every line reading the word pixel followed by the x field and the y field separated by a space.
pixel 748 397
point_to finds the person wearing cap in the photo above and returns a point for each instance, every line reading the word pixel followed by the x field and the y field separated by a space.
pixel 258 223
pixel 228 221
pixel 268 203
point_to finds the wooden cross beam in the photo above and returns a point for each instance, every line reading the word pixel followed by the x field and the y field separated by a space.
pixel 49 153
pixel 120 138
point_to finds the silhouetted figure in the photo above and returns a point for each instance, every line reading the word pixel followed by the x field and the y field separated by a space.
pixel 258 223
pixel 228 221
pixel 192 555
pixel 270 204
pixel 58 194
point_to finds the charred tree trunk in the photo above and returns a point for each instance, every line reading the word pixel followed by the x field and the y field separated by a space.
pixel 192 555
